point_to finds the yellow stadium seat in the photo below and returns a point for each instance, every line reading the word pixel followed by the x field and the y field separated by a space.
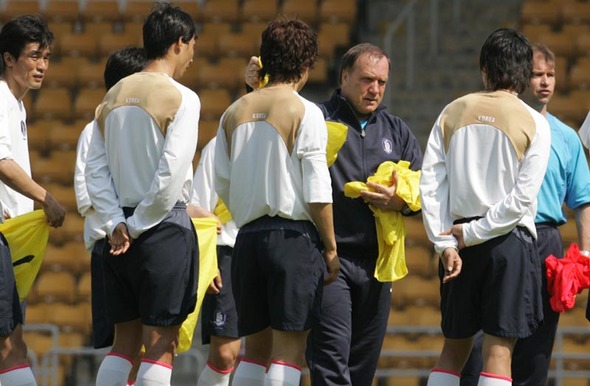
pixel 237 45
pixel 259 10
pixel 16 8
pixel 338 11
pixel 78 44
pixel 62 10
pixel 533 30
pixel 100 11
pixel 53 103
pixel 207 130
pixel 215 10
pixel 214 102
pixel 86 102
pixel 540 12
pixel 55 287
pixel 107 43
pixel 576 12
pixel 306 10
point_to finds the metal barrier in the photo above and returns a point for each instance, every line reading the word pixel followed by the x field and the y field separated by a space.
pixel 559 357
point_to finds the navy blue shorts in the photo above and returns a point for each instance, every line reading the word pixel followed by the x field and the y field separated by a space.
pixel 498 290
pixel 156 279
pixel 277 275
pixel 11 313
pixel 218 314
pixel 103 329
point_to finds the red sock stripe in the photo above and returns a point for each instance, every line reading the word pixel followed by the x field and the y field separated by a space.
pixel 287 364
pixel 253 362
pixel 17 367
pixel 219 370
pixel 127 358
pixel 153 362
pixel 439 370
pixel 490 375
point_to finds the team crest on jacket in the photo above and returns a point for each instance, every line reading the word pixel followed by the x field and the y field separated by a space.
pixel 23 129
pixel 219 319
pixel 387 145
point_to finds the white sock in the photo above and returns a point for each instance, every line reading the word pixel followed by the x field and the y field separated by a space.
pixel 18 376
pixel 249 374
pixel 152 373
pixel 211 376
pixel 442 377
pixel 114 370
pixel 487 379
pixel 282 374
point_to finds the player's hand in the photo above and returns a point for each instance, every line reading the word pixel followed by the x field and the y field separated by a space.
pixel 332 266
pixel 457 231
pixel 251 76
pixel 215 285
pixel 120 240
pixel 452 264
pixel 54 211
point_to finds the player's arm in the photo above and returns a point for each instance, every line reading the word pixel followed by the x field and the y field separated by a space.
pixel 322 216
pixel 17 179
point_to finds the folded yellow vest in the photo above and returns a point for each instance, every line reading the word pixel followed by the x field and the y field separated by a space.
pixel 391 231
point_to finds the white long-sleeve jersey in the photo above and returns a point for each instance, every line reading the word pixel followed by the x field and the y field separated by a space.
pixel 485 158
pixel 270 156
pixel 142 157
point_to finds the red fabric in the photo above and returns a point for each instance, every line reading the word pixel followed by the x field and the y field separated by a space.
pixel 566 278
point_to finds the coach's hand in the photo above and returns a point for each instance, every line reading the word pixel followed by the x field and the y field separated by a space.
pixel 452 263
pixel 120 240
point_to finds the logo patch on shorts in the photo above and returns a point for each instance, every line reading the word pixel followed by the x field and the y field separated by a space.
pixel 387 145
pixel 219 319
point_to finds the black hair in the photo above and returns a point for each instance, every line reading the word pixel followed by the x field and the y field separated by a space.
pixel 122 63
pixel 506 58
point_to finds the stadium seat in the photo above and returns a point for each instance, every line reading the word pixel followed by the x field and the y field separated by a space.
pixel 253 29
pixel 421 261
pixel 533 30
pixel 540 12
pixel 57 257
pixel 259 10
pixel 214 102
pixel 63 136
pixel 71 317
pixel 16 8
pixel 576 12
pixel 59 29
pixel 237 45
pixel 583 44
pixel 38 133
pixel 567 108
pixel 216 28
pixel 560 43
pixel 91 75
pixel 78 44
pixel 62 10
pixel 99 28
pixel 57 167
pixel 207 130
pixel 306 10
pixel 53 287
pixel 60 74
pixel 319 73
pixel 340 32
pixel 53 103
pixel 86 102
pixel 100 11
pixel 71 231
pixel 36 313
pixel 84 288
pixel 338 11
pixel 135 10
pixel 579 76
pixel 107 43
pixel 215 10
pixel 206 46
pixel 64 194
pixel 219 75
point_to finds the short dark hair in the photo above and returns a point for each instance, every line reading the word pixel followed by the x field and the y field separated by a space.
pixel 546 52
pixel 288 48
pixel 351 56
pixel 19 32
pixel 507 59
pixel 162 28
pixel 123 62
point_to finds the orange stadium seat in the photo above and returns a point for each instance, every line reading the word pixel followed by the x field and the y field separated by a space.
pixel 58 258
pixel 64 194
pixel 53 103
pixel 71 231
pixel 326 45
pixel 78 44
pixel 340 32
pixel 63 136
pixel 91 75
pixel 61 28
pixel 338 11
pixel 57 167
pixel 561 70
pixel 221 74
pixel 540 12
pixel 319 72
pixel 533 30
pixel 60 74
pixel 84 288
pixel 237 45
pixel 16 8
pixel 207 130
pixel 71 317
pixel 214 102
pixel 108 43
pixel 62 10
pixel 100 11
pixel 567 108
pixel 583 44
pixel 38 133
pixel 259 10
pixel 560 43
pixel 216 28
pixel 579 76
pixel 99 27
pixel 254 29
pixel 214 10
pixel 36 313
pixel 136 10
pixel 576 12
pixel 306 10
pixel 86 102
pixel 206 46
pixel 55 287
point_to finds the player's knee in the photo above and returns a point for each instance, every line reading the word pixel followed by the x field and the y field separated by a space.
pixel 223 358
